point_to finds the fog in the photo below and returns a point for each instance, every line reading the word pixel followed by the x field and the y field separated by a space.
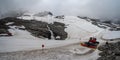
pixel 102 9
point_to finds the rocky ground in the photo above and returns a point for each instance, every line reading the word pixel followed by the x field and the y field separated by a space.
pixel 36 28
pixel 110 51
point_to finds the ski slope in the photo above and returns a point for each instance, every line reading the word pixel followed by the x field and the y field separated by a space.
pixel 77 29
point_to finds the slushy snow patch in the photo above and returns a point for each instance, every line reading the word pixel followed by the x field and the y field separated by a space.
pixel 112 35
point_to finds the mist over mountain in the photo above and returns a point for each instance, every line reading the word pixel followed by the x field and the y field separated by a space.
pixel 101 9
pixel 59 30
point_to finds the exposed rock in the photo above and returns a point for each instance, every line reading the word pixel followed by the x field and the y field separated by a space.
pixel 42 14
pixel 36 28
pixel 3 27
pixel 117 57
pixel 82 17
pixel 102 24
pixel 2 31
pixel 110 51
pixel 118 28
pixel 60 17
pixel 108 22
pixel 58 30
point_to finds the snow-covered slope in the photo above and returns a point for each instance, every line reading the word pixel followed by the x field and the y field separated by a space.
pixel 77 29
pixel 111 35
pixel 23 40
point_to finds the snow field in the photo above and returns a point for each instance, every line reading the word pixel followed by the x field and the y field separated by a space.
pixel 111 35
pixel 78 30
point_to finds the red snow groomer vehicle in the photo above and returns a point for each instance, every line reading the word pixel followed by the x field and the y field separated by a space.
pixel 92 43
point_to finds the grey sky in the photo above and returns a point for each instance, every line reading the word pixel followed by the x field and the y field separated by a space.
pixel 92 8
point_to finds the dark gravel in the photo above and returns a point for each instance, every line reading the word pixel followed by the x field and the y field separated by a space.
pixel 110 51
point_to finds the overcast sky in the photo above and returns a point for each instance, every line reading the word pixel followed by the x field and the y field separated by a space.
pixel 92 8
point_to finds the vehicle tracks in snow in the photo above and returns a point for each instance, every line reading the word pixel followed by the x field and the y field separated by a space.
pixel 51 53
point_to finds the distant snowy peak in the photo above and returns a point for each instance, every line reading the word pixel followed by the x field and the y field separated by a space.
pixel 89 19
pixel 36 16
pixel 102 24
pixel 42 14
pixel 48 17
